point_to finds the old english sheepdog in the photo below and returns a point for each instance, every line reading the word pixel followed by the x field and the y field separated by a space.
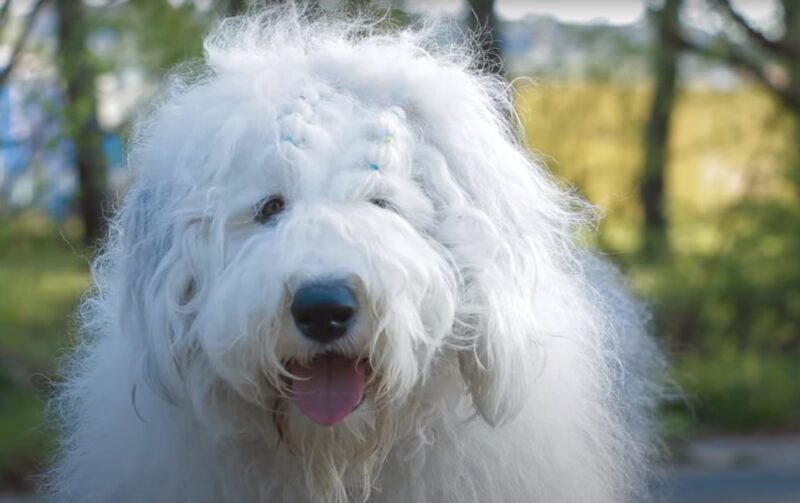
pixel 339 277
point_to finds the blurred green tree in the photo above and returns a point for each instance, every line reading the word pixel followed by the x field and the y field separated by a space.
pixel 773 62
pixel 656 134
pixel 77 72
pixel 19 45
pixel 236 7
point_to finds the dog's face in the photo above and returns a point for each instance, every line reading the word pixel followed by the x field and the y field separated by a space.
pixel 320 279
pixel 316 232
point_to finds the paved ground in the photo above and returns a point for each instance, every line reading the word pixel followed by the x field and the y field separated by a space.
pixel 756 470
pixel 737 485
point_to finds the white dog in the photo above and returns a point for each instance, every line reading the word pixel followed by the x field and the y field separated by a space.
pixel 339 277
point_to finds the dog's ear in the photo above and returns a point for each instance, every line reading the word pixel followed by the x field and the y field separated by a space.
pixel 495 328
pixel 507 225
pixel 145 242
pixel 145 236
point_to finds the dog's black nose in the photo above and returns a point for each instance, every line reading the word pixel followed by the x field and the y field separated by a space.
pixel 323 311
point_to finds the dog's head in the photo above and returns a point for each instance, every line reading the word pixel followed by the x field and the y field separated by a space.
pixel 323 219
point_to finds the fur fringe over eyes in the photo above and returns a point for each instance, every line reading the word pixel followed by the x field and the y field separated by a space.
pixel 505 363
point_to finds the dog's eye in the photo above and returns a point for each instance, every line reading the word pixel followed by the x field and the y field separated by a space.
pixel 269 208
pixel 381 203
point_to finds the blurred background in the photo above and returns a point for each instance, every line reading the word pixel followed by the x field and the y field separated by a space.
pixel 679 119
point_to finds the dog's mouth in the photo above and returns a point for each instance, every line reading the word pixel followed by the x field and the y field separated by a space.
pixel 329 387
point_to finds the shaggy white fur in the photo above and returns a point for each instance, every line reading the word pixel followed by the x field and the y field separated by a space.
pixel 503 364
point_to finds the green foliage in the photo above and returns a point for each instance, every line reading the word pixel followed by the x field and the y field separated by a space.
pixel 738 391
pixel 727 147
pixel 24 441
pixel 41 279
pixel 732 318
pixel 154 35
pixel 727 298
pixel 748 294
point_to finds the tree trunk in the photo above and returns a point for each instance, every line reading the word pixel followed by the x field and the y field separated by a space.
pixel 237 7
pixel 656 139
pixel 483 23
pixel 791 12
pixel 78 77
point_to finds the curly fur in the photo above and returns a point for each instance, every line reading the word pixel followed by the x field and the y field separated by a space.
pixel 508 365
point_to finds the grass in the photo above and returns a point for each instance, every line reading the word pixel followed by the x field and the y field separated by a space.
pixel 41 280
pixel 739 391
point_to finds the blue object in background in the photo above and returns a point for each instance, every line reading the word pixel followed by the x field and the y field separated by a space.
pixel 37 165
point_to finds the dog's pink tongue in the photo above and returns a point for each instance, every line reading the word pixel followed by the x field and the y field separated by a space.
pixel 328 388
